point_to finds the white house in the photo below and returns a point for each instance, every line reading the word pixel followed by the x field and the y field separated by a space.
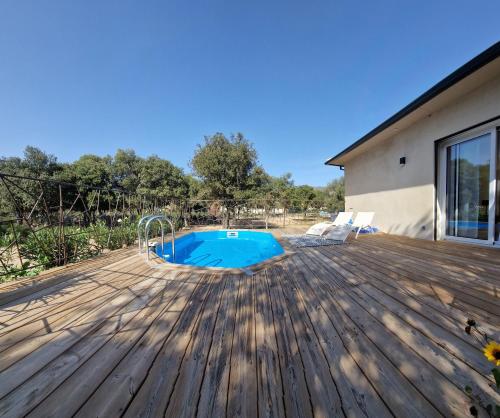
pixel 432 170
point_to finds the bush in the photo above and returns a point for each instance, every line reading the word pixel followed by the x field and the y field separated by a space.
pixel 121 235
pixel 44 249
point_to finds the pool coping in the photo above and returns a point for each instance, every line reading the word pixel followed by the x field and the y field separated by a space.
pixel 159 263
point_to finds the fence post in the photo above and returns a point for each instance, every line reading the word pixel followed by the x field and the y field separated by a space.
pixel 17 243
pixel 62 247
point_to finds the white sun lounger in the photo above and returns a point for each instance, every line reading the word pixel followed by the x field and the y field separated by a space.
pixel 340 233
pixel 320 229
pixel 363 220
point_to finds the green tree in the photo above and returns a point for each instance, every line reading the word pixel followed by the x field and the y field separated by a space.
pixel 195 187
pixel 38 164
pixel 304 196
pixel 320 198
pixel 20 196
pixel 161 179
pixel 35 163
pixel 282 190
pixel 335 195
pixel 90 170
pixel 258 185
pixel 225 166
pixel 126 170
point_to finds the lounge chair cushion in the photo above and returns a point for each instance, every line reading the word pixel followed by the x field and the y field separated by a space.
pixel 319 229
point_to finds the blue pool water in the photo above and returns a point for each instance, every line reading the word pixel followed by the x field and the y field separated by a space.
pixel 230 249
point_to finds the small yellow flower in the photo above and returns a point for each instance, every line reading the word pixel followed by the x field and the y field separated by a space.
pixel 492 352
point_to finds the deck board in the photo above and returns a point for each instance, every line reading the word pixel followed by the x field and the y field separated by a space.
pixel 89 362
pixel 371 328
pixel 407 350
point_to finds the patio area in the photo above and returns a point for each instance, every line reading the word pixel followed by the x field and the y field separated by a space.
pixel 374 327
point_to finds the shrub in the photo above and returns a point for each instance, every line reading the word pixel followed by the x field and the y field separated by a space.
pixel 45 248
pixel 118 236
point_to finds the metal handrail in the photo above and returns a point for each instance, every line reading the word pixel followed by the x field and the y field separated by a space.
pixel 160 218
pixel 139 224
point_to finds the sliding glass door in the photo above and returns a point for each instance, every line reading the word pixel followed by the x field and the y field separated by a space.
pixel 497 203
pixel 467 188
pixel 470 188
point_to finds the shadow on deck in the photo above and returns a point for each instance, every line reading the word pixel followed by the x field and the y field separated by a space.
pixel 371 328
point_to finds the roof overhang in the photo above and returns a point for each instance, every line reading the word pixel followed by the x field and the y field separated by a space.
pixel 470 76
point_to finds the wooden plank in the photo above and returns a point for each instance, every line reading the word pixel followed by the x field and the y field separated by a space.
pixel 467 274
pixel 323 390
pixel 113 396
pixel 449 399
pixel 154 395
pixel 24 340
pixel 434 353
pixel 360 325
pixel 446 294
pixel 430 267
pixel 38 301
pixel 296 393
pixel 120 328
pixel 185 395
pixel 398 393
pixel 447 334
pixel 78 267
pixel 486 308
pixel 359 397
pixel 419 297
pixel 41 282
pixel 35 360
pixel 269 383
pixel 28 323
pixel 482 257
pixel 88 368
pixel 214 389
pixel 42 303
pixel 242 393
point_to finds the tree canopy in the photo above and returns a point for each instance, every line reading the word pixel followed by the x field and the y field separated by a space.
pixel 52 213
pixel 335 195
pixel 224 168
pixel 162 178
pixel 225 165
pixel 89 170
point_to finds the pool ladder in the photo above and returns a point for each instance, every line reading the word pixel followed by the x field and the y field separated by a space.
pixel 143 231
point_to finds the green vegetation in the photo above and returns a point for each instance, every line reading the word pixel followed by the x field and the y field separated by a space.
pixel 224 169
pixel 227 169
pixel 53 213
pixel 43 248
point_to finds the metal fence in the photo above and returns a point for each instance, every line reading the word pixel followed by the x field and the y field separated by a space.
pixel 46 223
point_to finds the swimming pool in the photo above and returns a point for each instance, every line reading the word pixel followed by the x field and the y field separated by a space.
pixel 228 248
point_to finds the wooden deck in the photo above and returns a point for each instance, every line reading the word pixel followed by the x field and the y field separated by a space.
pixel 371 328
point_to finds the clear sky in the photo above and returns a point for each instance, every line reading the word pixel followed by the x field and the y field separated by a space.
pixel 301 79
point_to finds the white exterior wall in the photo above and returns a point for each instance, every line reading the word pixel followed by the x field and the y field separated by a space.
pixel 403 197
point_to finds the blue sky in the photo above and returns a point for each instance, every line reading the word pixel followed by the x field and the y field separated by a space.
pixel 302 80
